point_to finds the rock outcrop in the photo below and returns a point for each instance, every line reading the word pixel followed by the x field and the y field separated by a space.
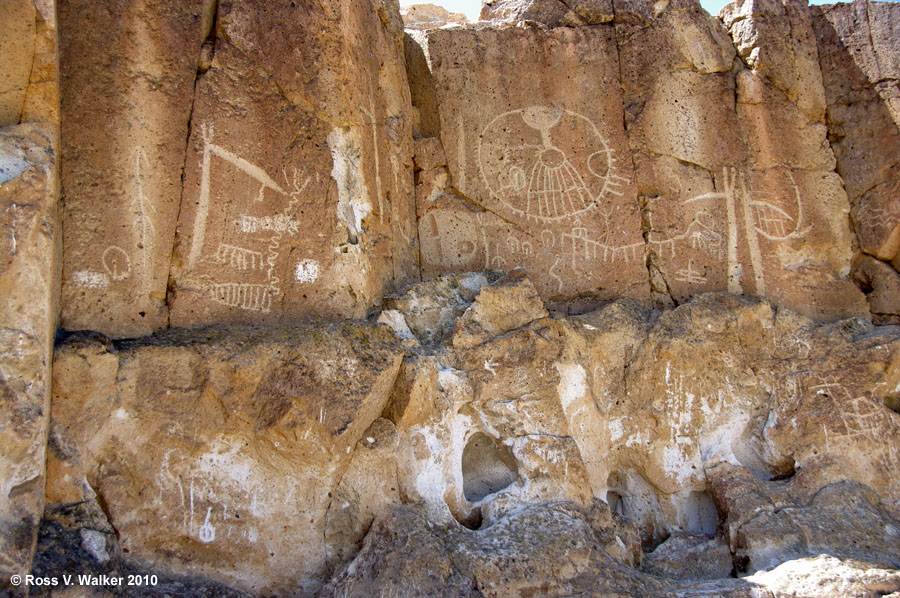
pixel 29 275
pixel 262 438
pixel 30 257
pixel 285 167
pixel 730 427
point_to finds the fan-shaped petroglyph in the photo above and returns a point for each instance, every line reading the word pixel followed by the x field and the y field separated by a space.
pixel 544 164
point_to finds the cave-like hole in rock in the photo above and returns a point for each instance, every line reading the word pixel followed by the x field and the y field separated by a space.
pixel 701 515
pixel 487 467
pixel 616 503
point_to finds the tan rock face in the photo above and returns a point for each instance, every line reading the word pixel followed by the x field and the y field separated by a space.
pixel 128 74
pixel 29 90
pixel 17 36
pixel 697 192
pixel 720 418
pixel 859 61
pixel 723 421
pixel 193 473
pixel 555 13
pixel 547 158
pixel 626 374
pixel 293 195
pixel 430 16
pixel 29 271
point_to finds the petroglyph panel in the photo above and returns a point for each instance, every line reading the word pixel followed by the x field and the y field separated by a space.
pixel 251 217
pixel 124 119
pixel 284 214
pixel 547 161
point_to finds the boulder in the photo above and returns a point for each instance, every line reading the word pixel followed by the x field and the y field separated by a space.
pixel 29 283
pixel 186 437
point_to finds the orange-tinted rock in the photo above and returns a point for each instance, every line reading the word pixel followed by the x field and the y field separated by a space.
pixel 128 71
pixel 298 181
pixel 29 278
pixel 187 437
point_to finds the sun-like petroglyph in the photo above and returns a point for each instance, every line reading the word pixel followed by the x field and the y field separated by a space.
pixel 544 164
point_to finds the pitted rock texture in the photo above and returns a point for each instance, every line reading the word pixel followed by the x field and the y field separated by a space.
pixel 725 427
pixel 77 540
pixel 612 149
pixel 653 349
pixel 29 275
pixel 205 455
pixel 285 166
pixel 703 165
pixel 429 16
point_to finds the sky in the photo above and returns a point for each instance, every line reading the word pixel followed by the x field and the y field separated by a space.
pixel 473 7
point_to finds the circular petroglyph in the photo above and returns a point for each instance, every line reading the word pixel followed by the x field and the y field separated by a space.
pixel 116 263
pixel 546 164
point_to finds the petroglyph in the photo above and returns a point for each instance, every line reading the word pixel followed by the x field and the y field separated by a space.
pixel 252 297
pixel 547 164
pixel 250 243
pixel 90 280
pixel 581 246
pixel 689 275
pixel 239 258
pixel 280 223
pixel 142 227
pixel 448 238
pixel 256 173
pixel 307 271
pixel 750 216
pixel 206 533
pixel 116 263
pixel 376 153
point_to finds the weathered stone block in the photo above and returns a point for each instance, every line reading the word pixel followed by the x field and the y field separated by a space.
pixel 29 278
pixel 187 437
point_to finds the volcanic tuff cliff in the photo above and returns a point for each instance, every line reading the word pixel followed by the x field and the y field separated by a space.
pixel 591 297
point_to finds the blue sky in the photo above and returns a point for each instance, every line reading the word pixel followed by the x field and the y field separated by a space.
pixel 473 7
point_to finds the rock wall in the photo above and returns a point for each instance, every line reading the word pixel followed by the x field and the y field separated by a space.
pixel 261 458
pixel 651 354
pixel 30 246
pixel 662 155
pixel 216 171
pixel 232 174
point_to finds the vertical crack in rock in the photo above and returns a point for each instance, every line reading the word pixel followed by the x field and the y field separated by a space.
pixel 205 57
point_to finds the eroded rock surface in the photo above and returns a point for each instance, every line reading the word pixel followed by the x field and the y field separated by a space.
pixel 725 431
pixel 284 166
pixel 196 472
pixel 746 435
pixel 650 357
pixel 29 274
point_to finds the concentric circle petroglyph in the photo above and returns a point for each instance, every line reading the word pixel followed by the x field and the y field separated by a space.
pixel 547 164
